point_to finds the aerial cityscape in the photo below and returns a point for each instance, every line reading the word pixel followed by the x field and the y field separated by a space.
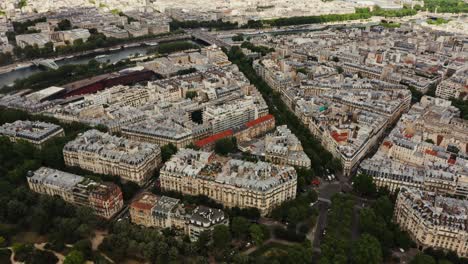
pixel 246 132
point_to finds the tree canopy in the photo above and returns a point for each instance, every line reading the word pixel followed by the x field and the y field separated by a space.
pixel 167 151
pixel 225 146
pixel 74 257
pixel 221 236
pixel 364 185
pixel 422 258
pixel 367 250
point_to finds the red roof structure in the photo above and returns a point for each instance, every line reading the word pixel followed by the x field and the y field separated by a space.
pixel 145 201
pixel 339 136
pixel 259 120
pixel 388 144
pixel 211 139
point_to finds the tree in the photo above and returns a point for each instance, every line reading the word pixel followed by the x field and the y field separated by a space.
pixel 16 210
pixel 225 146
pixel 364 185
pixel 192 146
pixel 444 261
pixel 191 94
pixel 22 251
pixel 251 213
pixel 167 151
pixel 74 257
pixel 239 226
pixel 221 236
pixel 384 207
pixel 238 37
pixel 164 48
pixel 42 257
pixel 256 233
pixel 173 253
pixel 22 3
pixel 421 258
pixel 367 250
pixel 5 58
pixel 293 216
pixel 203 240
pixel 84 246
pixel 369 221
pixel 403 240
pixel 186 71
pixel 64 24
pixel 301 70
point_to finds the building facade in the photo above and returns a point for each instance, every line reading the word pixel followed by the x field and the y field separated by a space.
pixel 104 198
pixel 282 147
pixel 433 221
pixel 426 150
pixel 165 212
pixel 106 154
pixel 234 183
pixel 34 132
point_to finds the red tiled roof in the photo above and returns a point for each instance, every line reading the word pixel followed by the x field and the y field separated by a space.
pixel 431 152
pixel 388 144
pixel 214 138
pixel 451 161
pixel 143 204
pixel 339 136
pixel 259 120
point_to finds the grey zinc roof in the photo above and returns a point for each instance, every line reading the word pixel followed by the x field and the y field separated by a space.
pixel 206 216
pixel 165 205
pixel 63 180
pixel 113 148
pixel 34 130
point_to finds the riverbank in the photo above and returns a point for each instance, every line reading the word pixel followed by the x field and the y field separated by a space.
pixel 128 44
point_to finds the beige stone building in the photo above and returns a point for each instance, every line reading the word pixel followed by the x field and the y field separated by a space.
pixel 36 133
pixel 165 212
pixel 105 199
pixel 157 211
pixel 426 150
pixel 234 183
pixel 284 148
pixel 106 154
pixel 433 221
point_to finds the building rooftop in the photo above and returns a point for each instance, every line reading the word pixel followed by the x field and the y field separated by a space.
pixel 205 216
pixel 114 148
pixel 32 130
pixel 165 205
pixel 144 201
pixel 444 212
pixel 260 176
